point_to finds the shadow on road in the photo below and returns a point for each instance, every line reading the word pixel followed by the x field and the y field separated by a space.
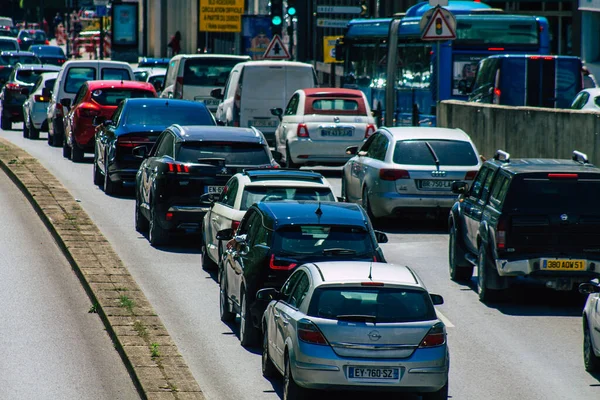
pixel 412 225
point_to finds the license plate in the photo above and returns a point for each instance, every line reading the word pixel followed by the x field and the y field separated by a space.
pixel 213 189
pixel 263 123
pixel 362 373
pixel 336 132
pixel 563 265
pixel 436 184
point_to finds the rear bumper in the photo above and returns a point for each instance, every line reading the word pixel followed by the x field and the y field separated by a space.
pixel 533 268
pixel 13 111
pixel 183 218
pixel 304 151
pixel 392 203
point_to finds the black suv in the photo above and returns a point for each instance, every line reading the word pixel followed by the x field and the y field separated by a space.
pixel 276 236
pixel 537 218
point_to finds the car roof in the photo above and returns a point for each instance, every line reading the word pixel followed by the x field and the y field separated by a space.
pixel 267 63
pixel 523 165
pixel 332 92
pixel 290 212
pixel 262 174
pixel 422 133
pixel 592 91
pixel 12 39
pixel 162 101
pixel 344 272
pixel 519 56
pixel 45 67
pixel 217 133
pixel 93 85
pixel 95 63
pixel 230 56
pixel 17 53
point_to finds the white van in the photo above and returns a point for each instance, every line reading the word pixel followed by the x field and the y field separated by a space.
pixel 194 76
pixel 254 87
pixel 72 75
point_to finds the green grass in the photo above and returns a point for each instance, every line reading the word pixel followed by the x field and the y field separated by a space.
pixel 154 349
pixel 127 303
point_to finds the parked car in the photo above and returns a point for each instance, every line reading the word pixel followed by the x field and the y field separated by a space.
pixel 9 43
pixel 400 171
pixel 587 100
pixel 150 62
pixel 49 54
pixel 355 326
pixel 73 74
pixel 17 88
pixel 8 59
pixel 534 218
pixel 29 37
pixel 185 163
pixel 194 76
pixel 319 124
pixel 249 187
pixel 591 326
pixel 274 237
pixel 95 99
pixel 155 76
pixel 255 87
pixel 35 106
pixel 137 122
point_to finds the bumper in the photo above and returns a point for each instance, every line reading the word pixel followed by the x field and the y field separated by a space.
pixel 561 278
pixel 392 203
pixel 322 151
pixel 13 111
pixel 38 116
pixel 184 218
pixel 318 367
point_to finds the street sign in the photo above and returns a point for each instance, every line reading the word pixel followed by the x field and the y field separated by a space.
pixel 276 50
pixel 222 16
pixel 329 49
pixel 332 23
pixel 438 27
pixel 340 9
pixel 447 14
pixel 435 3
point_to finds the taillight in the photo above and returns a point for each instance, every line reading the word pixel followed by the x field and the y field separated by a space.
pixel 496 48
pixel 302 131
pixel 234 225
pixel 13 86
pixel 371 283
pixel 281 265
pixel 309 333
pixel 370 130
pixel 177 168
pixel 88 112
pixel 169 216
pixel 59 110
pixel 131 141
pixel 435 337
pixel 393 174
pixel 178 92
pixel 563 176
pixel 469 176
pixel 41 99
pixel 46 42
pixel 501 234
pixel 497 93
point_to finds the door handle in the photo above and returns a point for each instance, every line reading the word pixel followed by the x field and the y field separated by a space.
pixel 214 219
pixel 276 315
pixel 285 321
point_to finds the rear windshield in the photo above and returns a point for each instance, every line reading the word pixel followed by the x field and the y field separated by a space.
pixel 324 240
pixel 8 45
pixel 28 76
pixel 142 114
pixel 448 152
pixel 141 75
pixel 477 31
pixel 207 72
pixel 234 153
pixel 112 97
pixel 380 303
pixel 115 74
pixel 50 51
pixel 271 193
pixel 157 78
pixel 35 35
pixel 334 106
pixel 12 60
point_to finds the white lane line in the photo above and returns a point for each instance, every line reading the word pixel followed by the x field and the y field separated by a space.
pixel 445 320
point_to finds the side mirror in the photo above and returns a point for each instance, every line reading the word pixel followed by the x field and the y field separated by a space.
pixel 66 102
pixel 207 198
pixel 278 112
pixel 225 234
pixel 25 91
pixel 589 288
pixel 381 237
pixel 98 120
pixel 351 150
pixel 459 187
pixel 46 92
pixel 217 94
pixel 268 294
pixel 277 156
pixel 139 151
pixel 436 299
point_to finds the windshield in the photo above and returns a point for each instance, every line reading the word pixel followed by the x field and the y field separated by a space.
pixel 478 31
pixel 49 51
pixel 112 97
pixel 28 76
pixel 448 152
pixel 568 195
pixel 234 153
pixel 324 240
pixel 384 305
pixel 162 115
pixel 207 71
pixel 8 45
pixel 254 194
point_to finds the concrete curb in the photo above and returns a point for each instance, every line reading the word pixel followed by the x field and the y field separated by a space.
pixel 150 355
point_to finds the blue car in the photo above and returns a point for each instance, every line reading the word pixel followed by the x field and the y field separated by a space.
pixel 149 62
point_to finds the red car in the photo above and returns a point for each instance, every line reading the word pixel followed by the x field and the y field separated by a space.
pixel 96 99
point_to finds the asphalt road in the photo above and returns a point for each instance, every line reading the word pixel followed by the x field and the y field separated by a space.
pixel 526 348
pixel 52 348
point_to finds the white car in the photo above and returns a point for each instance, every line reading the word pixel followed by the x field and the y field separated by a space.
pixel 36 106
pixel 591 326
pixel 587 100
pixel 155 76
pixel 252 186
pixel 319 124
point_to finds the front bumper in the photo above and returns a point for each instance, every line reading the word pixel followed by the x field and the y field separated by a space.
pixel 393 203
pixel 307 151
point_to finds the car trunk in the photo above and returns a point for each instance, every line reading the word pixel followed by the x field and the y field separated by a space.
pixel 430 180
pixel 129 141
pixel 339 128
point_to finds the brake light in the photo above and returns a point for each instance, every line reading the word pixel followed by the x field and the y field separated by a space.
pixel 435 337
pixel 302 131
pixel 309 333
pixel 393 174
pixel 169 216
pixel 59 110
pixel 497 92
pixel 131 141
pixel 496 48
pixel 13 86
pixel 46 42
pixel 177 168
pixel 371 283
pixel 234 225
pixel 470 175
pixel 501 234
pixel 178 92
pixel 496 98
pixel 370 130
pixel 88 112
pixel 41 99
pixel 20 41
pixel 563 176
pixel 281 265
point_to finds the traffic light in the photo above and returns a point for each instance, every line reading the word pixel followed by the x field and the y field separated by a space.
pixel 291 8
pixel 276 14
pixel 364 9
pixel 438 26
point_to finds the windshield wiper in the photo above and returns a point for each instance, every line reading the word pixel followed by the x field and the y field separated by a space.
pixel 435 157
pixel 356 317
pixel 339 251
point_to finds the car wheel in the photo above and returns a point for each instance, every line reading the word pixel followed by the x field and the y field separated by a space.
pixel 34 134
pixel 288 159
pixel 57 138
pixel 207 263
pixel 483 270
pixel 66 149
pixel 291 390
pixel 458 272
pixel 225 313
pixel 268 369
pixel 26 130
pixel 98 177
pixel 590 360
pixel 157 235
pixel 5 123
pixel 248 333
pixel 76 153
pixel 141 223
pixel 110 187
pixel 441 394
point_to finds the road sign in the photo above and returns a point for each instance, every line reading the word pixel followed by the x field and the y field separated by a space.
pixel 332 23
pixel 329 49
pixel 339 9
pixel 276 50
pixel 226 16
pixel 438 27
pixel 427 16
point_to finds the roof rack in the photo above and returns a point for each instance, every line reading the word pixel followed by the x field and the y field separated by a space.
pixel 502 156
pixel 580 157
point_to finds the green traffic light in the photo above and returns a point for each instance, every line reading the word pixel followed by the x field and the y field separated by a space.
pixel 276 20
pixel 291 11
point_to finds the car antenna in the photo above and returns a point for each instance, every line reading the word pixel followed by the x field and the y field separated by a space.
pixel 318 211
pixel 370 270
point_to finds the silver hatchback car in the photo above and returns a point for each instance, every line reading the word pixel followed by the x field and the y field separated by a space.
pixel 409 170
pixel 355 325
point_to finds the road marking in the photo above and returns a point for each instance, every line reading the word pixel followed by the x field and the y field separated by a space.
pixel 445 320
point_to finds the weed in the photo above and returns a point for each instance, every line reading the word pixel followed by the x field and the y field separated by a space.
pixel 140 329
pixel 127 303
pixel 13 161
pixel 93 309
pixel 121 289
pixel 154 349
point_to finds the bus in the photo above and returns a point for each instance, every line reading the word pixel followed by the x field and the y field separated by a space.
pixel 481 31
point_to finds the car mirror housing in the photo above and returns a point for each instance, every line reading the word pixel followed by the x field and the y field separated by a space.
pixel 436 299
pixel 381 237
pixel 459 187
pixel 351 150
pixel 65 102
pixel 268 294
pixel 216 94
pixel 277 156
pixel 98 120
pixel 25 91
pixel 225 234
pixel 207 198
pixel 140 151
pixel 589 288
pixel 278 112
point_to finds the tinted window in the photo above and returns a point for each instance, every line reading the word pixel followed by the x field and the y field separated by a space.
pixel 229 193
pixel 158 78
pixel 489 32
pixel 141 75
pixel 292 106
pixel 500 189
pixel 385 304
pixel 8 45
pixel 288 286
pixel 448 152
pixel 162 115
pixel 165 146
pixel 379 147
pixel 12 60
pixel 326 106
pixel 49 51
pixel 33 35
pixel 478 182
pixel 112 97
pixel 597 101
pixel 234 153
pixel 264 193
pixel 28 76
pixel 115 74
pixel 321 239
pixel 300 291
pixel 207 71
pixel 77 76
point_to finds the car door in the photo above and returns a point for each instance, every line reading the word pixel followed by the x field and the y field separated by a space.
pixel 105 137
pixel 71 117
pixel 474 204
pixel 165 146
pixel 595 319
pixel 289 123
pixel 373 161
pixel 352 171
pixel 219 217
pixel 224 112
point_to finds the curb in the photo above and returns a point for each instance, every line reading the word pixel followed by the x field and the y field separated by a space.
pixel 157 369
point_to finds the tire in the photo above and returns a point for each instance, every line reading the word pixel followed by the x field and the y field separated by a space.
pixel 57 138
pixel 98 177
pixel 157 235
pixel 76 153
pixel 109 187
pixel 291 390
pixel 34 134
pixel 483 270
pixel 248 333
pixel 207 263
pixel 441 394
pixel 5 123
pixel 25 130
pixel 66 148
pixel 288 159
pixel 268 368
pixel 141 223
pixel 590 360
pixel 459 272
pixel 225 314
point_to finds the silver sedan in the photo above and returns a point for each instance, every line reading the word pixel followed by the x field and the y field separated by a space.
pixel 408 170
pixel 591 326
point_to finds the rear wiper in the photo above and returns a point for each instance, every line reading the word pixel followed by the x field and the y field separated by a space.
pixel 435 157
pixel 356 317
pixel 339 251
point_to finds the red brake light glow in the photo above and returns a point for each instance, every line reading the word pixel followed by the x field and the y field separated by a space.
pixel 393 174
pixel 178 168
pixel 281 265
pixel 371 283
pixel 563 176
pixel 435 337
pixel 234 225
pixel 309 333
pixel 470 175
pixel 302 131
pixel 496 48
pixel 501 234
pixel 131 141
pixel 497 92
